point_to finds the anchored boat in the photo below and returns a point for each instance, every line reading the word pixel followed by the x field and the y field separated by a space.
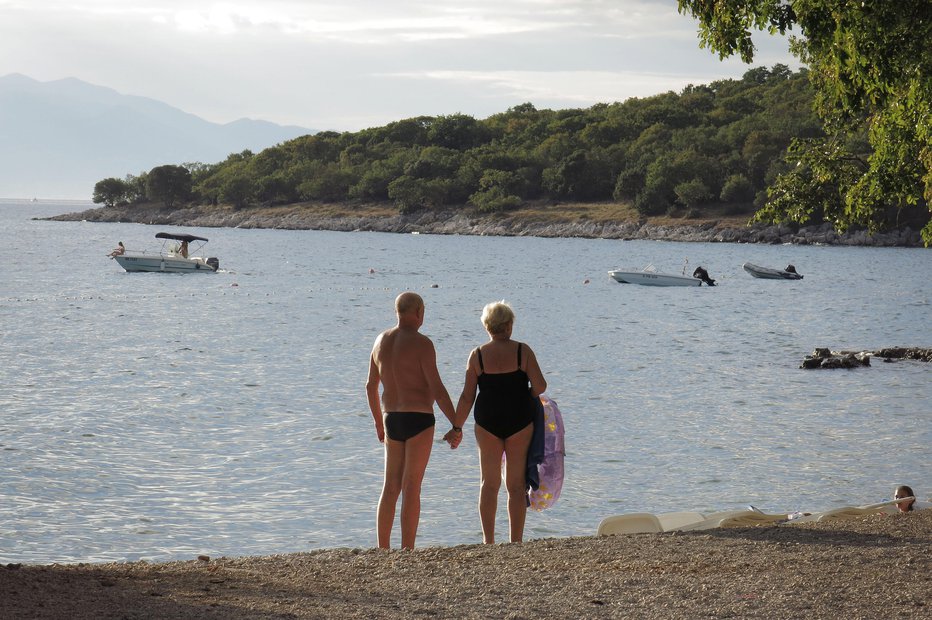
pixel 772 274
pixel 175 256
pixel 649 276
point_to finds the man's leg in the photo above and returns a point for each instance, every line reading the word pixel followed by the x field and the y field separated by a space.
pixel 391 488
pixel 417 453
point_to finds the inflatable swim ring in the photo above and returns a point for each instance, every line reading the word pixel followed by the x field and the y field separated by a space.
pixel 550 470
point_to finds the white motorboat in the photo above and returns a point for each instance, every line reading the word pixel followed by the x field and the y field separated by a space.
pixel 649 276
pixel 174 256
pixel 772 274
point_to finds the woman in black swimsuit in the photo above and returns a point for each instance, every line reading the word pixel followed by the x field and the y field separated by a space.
pixel 508 378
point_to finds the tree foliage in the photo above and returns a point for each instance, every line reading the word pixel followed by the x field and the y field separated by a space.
pixel 710 146
pixel 168 184
pixel 870 65
pixel 110 192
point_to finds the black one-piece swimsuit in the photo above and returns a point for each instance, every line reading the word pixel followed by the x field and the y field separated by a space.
pixel 503 406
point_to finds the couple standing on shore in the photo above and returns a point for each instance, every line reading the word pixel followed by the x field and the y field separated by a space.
pixel 507 377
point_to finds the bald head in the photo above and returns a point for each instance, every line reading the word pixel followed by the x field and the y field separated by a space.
pixel 408 303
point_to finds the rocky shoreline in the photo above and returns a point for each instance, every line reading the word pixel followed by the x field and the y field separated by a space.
pixel 465 222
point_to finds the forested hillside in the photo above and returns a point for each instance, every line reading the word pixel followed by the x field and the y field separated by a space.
pixel 717 145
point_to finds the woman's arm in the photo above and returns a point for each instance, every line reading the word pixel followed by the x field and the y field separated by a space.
pixel 538 383
pixel 468 396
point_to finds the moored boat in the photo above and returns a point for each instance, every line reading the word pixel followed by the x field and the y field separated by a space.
pixel 649 276
pixel 172 258
pixel 768 273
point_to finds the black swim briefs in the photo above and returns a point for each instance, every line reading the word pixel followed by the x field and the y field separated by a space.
pixel 403 425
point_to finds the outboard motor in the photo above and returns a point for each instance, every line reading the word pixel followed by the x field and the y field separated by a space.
pixel 214 263
pixel 703 275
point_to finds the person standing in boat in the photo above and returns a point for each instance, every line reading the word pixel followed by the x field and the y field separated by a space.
pixel 404 362
pixel 508 379
pixel 183 250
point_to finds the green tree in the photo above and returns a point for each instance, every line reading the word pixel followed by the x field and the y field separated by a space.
pixel 582 175
pixel 737 188
pixel 239 191
pixel 110 192
pixel 169 184
pixel 870 63
pixel 415 194
pixel 497 191
pixel 692 193
pixel 456 131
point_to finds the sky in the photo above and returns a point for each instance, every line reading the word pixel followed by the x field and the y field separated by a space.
pixel 345 65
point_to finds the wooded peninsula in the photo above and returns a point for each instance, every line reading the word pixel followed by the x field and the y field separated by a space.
pixel 710 157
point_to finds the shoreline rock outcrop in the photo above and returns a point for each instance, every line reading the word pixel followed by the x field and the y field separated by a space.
pixel 464 222
pixel 825 358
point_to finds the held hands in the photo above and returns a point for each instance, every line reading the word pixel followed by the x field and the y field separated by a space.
pixel 453 437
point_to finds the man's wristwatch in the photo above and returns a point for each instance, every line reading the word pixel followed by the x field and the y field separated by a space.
pixel 457 429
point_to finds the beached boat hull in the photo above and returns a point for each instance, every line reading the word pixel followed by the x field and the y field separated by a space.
pixel 165 263
pixel 767 273
pixel 653 278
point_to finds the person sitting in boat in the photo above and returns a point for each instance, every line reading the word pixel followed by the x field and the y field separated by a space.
pixel 790 269
pixel 183 250
pixel 119 250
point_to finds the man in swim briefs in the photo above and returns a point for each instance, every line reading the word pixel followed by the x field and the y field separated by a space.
pixel 405 363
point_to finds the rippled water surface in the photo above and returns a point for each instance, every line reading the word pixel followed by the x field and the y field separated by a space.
pixel 159 416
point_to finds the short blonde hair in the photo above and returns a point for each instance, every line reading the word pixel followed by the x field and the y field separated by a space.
pixel 497 316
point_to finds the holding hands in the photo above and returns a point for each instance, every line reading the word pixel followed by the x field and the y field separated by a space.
pixel 453 437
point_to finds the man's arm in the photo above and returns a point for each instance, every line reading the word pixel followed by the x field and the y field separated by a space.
pixel 438 391
pixel 372 394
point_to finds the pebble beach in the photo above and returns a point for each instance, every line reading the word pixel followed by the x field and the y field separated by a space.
pixel 866 567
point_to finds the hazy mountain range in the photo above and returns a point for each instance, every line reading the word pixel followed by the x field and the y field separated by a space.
pixel 57 139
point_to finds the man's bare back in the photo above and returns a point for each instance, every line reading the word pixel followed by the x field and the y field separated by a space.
pixel 400 355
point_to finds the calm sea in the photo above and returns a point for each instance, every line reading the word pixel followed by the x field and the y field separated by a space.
pixel 160 416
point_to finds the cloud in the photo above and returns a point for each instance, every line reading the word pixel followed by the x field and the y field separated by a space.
pixel 344 64
pixel 560 88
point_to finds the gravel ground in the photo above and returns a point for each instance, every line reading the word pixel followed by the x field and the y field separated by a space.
pixel 868 567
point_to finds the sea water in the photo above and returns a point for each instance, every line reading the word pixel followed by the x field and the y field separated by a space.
pixel 161 416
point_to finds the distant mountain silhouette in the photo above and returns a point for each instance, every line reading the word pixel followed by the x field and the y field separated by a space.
pixel 57 139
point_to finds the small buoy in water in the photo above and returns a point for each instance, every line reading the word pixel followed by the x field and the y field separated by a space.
pixel 586 281
pixel 371 270
pixel 234 284
pixel 434 286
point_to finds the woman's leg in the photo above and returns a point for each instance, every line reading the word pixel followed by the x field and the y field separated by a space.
pixel 490 470
pixel 516 448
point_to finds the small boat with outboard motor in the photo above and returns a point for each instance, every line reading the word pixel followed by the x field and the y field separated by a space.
pixel 649 276
pixel 175 256
pixel 768 273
